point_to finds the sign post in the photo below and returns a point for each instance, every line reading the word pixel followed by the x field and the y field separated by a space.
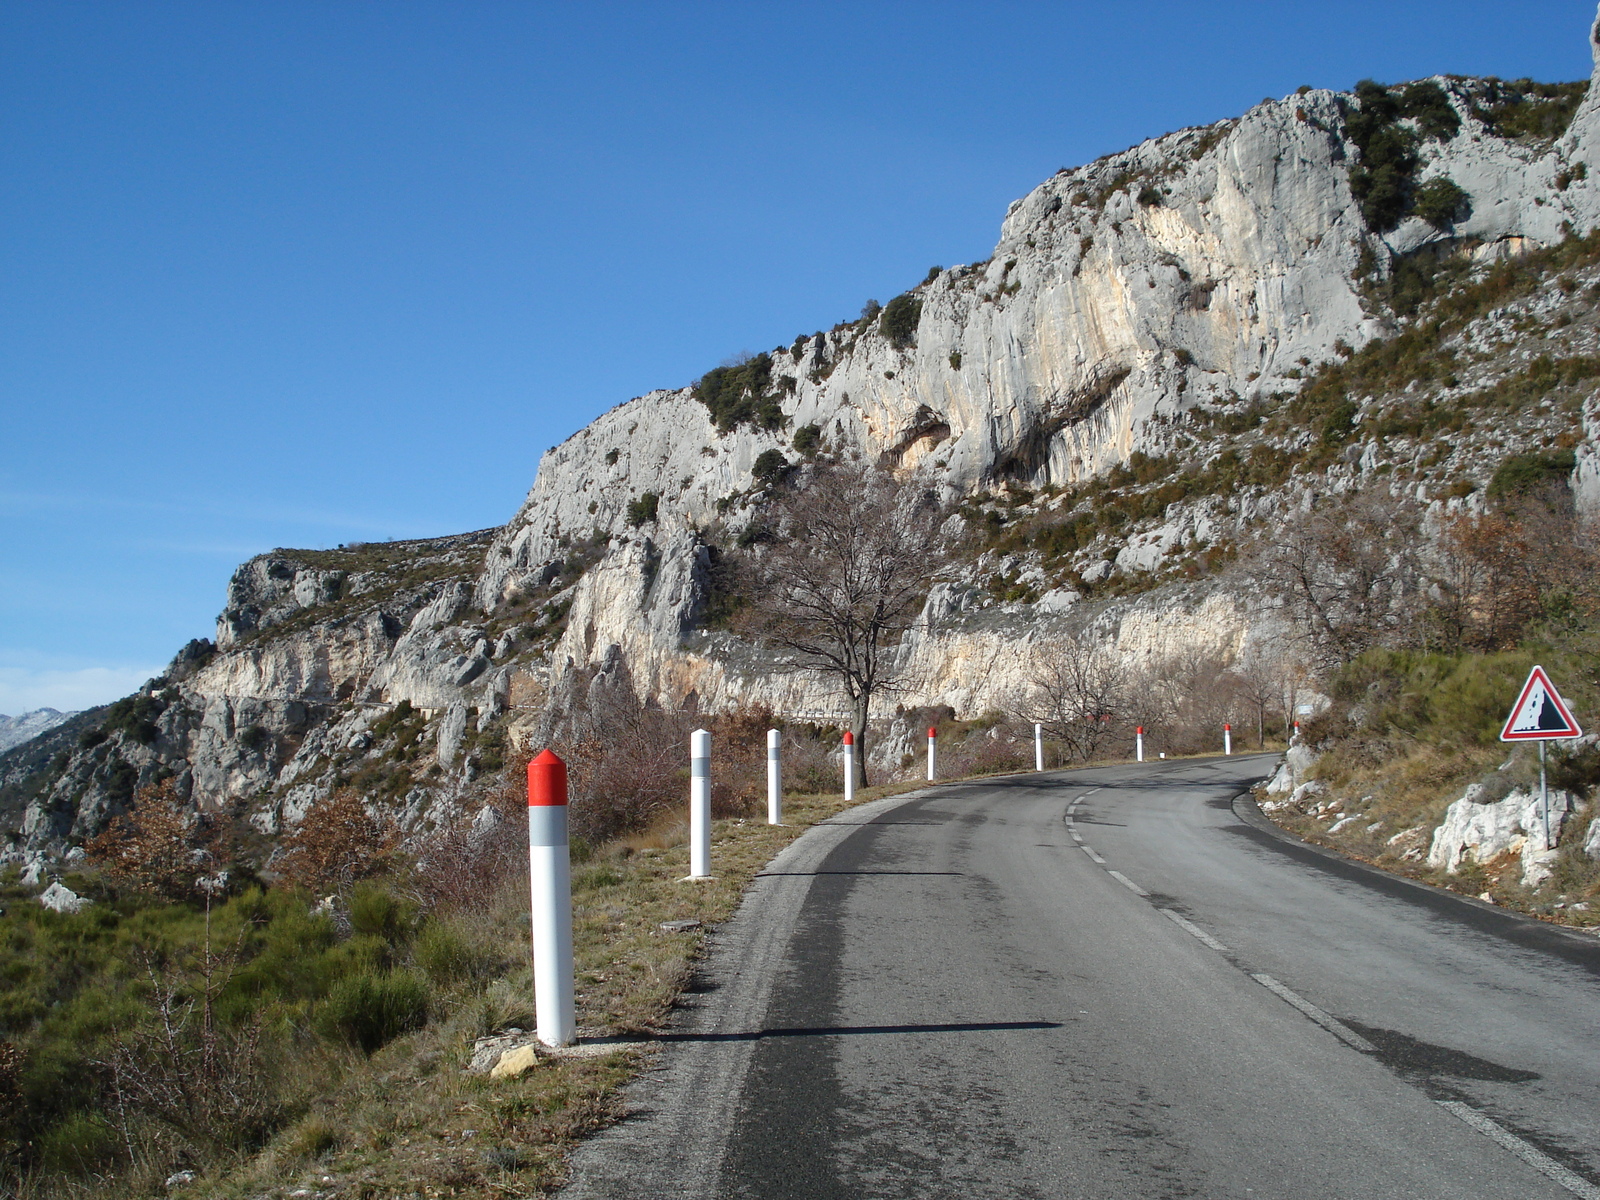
pixel 1540 715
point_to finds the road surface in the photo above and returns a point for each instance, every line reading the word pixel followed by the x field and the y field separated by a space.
pixel 1113 983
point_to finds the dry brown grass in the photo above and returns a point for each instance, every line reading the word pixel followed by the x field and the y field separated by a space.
pixel 409 1122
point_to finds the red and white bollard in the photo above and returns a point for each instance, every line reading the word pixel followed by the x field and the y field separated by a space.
pixel 933 739
pixel 1038 746
pixel 1227 739
pixel 700 804
pixel 1138 743
pixel 550 873
pixel 774 778
pixel 849 766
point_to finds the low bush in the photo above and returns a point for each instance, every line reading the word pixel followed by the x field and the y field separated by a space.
pixel 899 320
pixel 643 510
pixel 371 1010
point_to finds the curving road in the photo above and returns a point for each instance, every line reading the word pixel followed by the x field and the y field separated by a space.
pixel 1113 983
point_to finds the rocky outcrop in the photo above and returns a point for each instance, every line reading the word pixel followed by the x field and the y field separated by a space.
pixel 1478 829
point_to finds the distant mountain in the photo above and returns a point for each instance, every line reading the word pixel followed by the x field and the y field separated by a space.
pixel 16 730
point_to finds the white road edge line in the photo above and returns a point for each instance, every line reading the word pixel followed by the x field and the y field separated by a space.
pixel 1191 927
pixel 1089 850
pixel 1536 1159
pixel 1127 883
pixel 1348 1036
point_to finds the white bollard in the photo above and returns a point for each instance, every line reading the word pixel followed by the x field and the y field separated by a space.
pixel 1038 746
pixel 550 874
pixel 700 804
pixel 849 766
pixel 1227 739
pixel 1138 743
pixel 933 738
pixel 774 778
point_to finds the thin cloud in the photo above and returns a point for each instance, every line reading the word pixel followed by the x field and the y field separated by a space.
pixel 23 689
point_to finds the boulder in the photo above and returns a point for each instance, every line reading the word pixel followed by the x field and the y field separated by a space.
pixel 1476 829
pixel 62 899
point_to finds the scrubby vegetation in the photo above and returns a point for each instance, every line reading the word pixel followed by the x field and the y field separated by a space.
pixel 743 393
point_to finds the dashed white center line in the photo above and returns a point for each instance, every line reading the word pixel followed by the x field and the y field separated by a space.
pixel 1075 835
pixel 1191 927
pixel 1535 1158
pixel 1346 1035
pixel 1089 850
pixel 1127 883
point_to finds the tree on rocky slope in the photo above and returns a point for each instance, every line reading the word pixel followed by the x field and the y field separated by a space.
pixel 1080 695
pixel 1350 575
pixel 848 559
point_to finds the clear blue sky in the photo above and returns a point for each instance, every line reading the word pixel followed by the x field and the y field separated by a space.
pixel 295 274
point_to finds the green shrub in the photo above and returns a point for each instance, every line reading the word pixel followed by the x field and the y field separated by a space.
pixel 806 439
pixel 1523 108
pixel 81 1144
pixel 1527 474
pixel 136 717
pixel 1339 424
pixel 741 393
pixel 899 320
pixel 643 510
pixel 1441 203
pixel 1150 196
pixel 955 360
pixel 370 1010
pixel 770 466
pixel 378 912
pixel 449 955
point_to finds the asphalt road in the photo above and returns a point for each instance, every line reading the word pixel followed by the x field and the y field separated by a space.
pixel 1110 983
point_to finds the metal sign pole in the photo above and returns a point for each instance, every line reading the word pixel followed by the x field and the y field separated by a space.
pixel 1544 800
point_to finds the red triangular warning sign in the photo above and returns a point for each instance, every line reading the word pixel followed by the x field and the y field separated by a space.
pixel 1540 713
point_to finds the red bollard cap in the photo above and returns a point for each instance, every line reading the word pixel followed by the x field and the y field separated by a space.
pixel 1228 727
pixel 932 732
pixel 547 781
pixel 849 738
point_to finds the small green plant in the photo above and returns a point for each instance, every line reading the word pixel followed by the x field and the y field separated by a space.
pixel 1150 196
pixel 806 439
pixel 643 510
pixel 370 1010
pixel 955 360
pixel 612 456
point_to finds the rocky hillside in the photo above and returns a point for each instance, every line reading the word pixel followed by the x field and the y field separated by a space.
pixel 16 730
pixel 1172 352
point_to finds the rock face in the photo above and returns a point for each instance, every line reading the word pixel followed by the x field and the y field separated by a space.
pixel 1204 272
pixel 16 730
pixel 1476 829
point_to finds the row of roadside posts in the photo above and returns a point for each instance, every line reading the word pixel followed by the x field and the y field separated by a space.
pixel 550 864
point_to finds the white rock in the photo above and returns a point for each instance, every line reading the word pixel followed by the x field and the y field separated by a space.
pixel 1478 831
pixel 1591 840
pixel 62 899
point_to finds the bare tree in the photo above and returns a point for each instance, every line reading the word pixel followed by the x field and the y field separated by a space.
pixel 1349 574
pixel 1079 695
pixel 849 560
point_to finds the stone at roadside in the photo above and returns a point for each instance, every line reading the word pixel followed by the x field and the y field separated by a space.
pixel 1478 830
pixel 680 926
pixel 1591 842
pixel 514 1062
pixel 179 1179
pixel 487 1051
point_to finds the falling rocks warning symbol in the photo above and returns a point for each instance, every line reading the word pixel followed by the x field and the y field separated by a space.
pixel 1539 713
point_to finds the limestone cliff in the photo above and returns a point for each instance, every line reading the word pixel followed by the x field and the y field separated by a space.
pixel 1144 308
